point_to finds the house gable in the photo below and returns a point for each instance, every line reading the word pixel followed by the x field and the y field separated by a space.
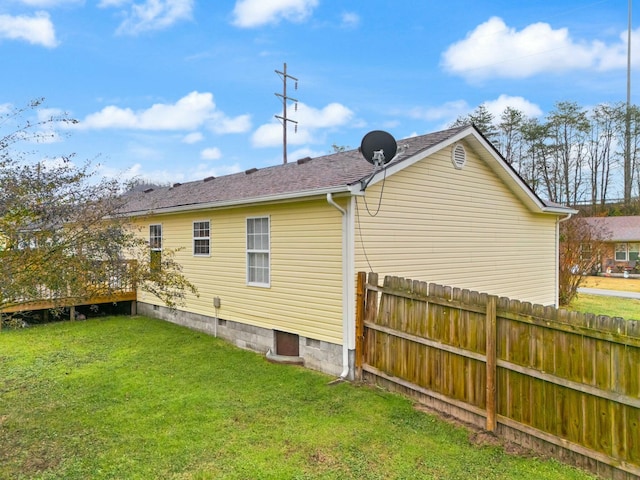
pixel 467 227
pixel 474 141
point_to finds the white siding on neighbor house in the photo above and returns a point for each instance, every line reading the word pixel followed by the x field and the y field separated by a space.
pixel 462 228
pixel 305 293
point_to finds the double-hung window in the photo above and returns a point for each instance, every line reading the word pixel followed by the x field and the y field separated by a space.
pixel 627 251
pixel 201 238
pixel 155 247
pixel 258 251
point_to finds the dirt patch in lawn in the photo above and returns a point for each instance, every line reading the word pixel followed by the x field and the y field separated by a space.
pixel 481 437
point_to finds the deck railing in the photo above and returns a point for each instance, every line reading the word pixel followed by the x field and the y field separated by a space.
pixel 102 285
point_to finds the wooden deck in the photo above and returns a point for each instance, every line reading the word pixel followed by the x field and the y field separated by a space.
pixel 112 290
pixel 70 302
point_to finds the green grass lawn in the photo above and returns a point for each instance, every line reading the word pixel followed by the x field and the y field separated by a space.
pixel 136 398
pixel 628 308
pixel 612 306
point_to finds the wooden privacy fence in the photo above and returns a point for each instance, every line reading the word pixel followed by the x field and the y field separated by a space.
pixel 564 383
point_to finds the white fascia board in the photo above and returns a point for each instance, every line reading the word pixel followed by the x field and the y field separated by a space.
pixel 286 197
pixel 560 210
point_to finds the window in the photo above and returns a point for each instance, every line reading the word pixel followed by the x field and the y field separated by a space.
pixel 586 253
pixel 621 252
pixel 258 251
pixel 201 238
pixel 627 252
pixel 155 246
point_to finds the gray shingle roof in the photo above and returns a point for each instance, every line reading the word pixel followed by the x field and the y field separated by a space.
pixel 618 229
pixel 308 175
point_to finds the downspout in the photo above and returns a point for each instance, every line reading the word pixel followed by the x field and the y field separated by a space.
pixel 558 222
pixel 347 287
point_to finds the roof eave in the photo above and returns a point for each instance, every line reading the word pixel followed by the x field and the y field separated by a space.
pixel 282 197
pixel 559 210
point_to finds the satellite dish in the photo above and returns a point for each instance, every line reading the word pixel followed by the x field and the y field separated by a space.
pixel 378 147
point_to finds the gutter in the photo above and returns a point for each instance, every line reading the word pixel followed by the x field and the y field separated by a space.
pixel 348 291
pixel 238 202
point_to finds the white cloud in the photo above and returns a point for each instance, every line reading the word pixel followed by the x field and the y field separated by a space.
pixel 270 135
pixel 309 119
pixel 49 124
pixel 448 110
pixel 56 163
pixel 151 14
pixel 239 124
pixel 255 13
pixel 163 177
pixel 497 106
pixel 191 112
pixel 49 3
pixel 135 171
pixel 493 49
pixel 304 152
pixel 37 29
pixel 211 154
pixel 188 113
pixel 193 137
pixel 350 19
pixel 333 115
pixel 112 3
pixel 615 56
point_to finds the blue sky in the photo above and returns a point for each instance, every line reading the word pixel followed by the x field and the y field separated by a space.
pixel 177 90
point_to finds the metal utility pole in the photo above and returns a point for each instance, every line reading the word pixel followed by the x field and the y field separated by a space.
pixel 283 118
pixel 627 129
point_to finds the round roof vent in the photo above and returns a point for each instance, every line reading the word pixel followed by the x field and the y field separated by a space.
pixel 458 156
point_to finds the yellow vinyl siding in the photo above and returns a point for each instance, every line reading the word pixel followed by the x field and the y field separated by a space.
pixel 463 228
pixel 305 294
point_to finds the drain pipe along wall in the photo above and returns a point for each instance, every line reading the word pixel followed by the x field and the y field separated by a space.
pixel 348 290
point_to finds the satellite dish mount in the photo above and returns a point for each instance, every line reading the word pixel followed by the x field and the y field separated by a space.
pixel 378 148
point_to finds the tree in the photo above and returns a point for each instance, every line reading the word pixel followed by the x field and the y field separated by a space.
pixel 569 127
pixel 335 148
pixel 581 248
pixel 535 153
pixel 629 138
pixel 60 231
pixel 483 120
pixel 601 152
pixel 510 134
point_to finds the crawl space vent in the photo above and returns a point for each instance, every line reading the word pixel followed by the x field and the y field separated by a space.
pixel 458 156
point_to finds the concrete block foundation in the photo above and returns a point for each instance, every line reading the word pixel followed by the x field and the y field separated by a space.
pixel 317 354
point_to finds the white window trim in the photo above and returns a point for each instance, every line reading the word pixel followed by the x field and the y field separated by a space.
pixel 161 237
pixel 194 238
pixel 250 251
pixel 619 249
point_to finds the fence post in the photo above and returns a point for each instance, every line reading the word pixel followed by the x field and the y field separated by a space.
pixel 371 301
pixel 492 354
pixel 360 305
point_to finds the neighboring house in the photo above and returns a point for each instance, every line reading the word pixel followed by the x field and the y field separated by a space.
pixel 274 252
pixel 622 242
